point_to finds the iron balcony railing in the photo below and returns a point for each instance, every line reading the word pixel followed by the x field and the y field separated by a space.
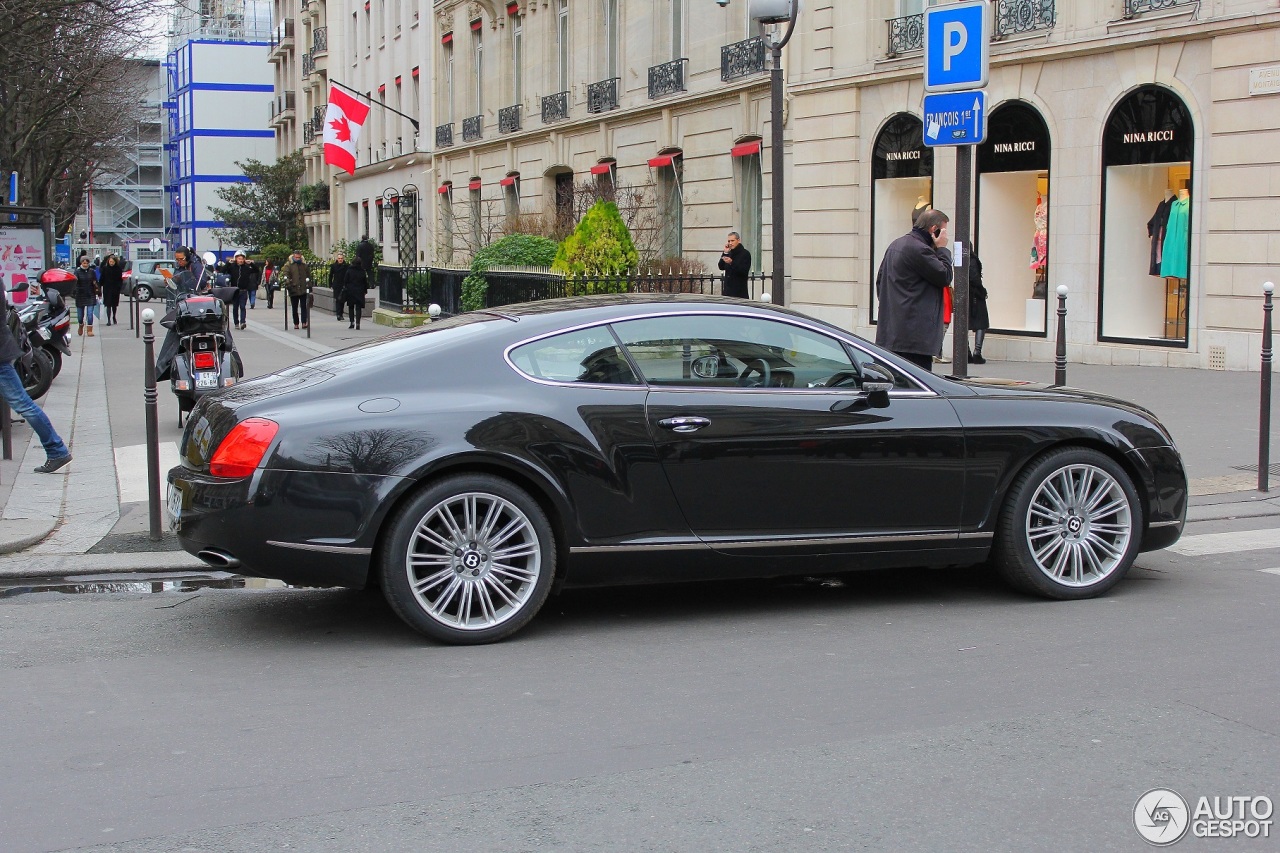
pixel 444 135
pixel 509 119
pixel 667 78
pixel 555 107
pixel 308 64
pixel 472 128
pixel 1133 8
pixel 320 40
pixel 308 133
pixel 742 59
pixel 906 34
pixel 317 116
pixel 1023 16
pixel 602 96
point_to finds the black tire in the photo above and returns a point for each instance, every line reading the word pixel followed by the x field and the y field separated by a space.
pixel 142 293
pixel 457 572
pixel 1077 547
pixel 56 355
pixel 39 377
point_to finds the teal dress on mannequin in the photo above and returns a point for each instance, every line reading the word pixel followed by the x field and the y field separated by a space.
pixel 1177 240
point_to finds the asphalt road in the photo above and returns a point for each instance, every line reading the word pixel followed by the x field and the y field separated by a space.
pixel 920 710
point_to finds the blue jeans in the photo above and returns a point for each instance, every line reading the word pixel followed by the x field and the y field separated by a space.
pixel 24 407
pixel 253 296
pixel 84 316
pixel 237 308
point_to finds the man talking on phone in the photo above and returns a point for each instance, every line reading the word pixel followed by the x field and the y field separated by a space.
pixel 735 260
pixel 913 275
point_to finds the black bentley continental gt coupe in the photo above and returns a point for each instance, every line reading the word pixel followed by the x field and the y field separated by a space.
pixel 468 466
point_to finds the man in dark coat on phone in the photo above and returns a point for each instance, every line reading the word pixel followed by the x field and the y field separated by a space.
pixel 735 260
pixel 913 275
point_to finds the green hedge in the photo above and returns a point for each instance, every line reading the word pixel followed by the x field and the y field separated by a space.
pixel 526 250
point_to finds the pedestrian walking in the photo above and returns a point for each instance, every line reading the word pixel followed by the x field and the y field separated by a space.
pixel 56 453
pixel 735 260
pixel 354 290
pixel 338 281
pixel 364 256
pixel 111 280
pixel 86 296
pixel 243 275
pixel 269 282
pixel 295 277
pixel 979 318
pixel 910 284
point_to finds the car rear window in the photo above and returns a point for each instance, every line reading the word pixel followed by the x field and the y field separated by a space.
pixel 588 356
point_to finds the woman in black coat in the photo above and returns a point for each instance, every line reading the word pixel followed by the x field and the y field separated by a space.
pixel 354 289
pixel 111 279
pixel 979 319
pixel 86 295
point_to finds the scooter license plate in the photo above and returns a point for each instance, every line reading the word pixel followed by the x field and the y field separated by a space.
pixel 175 507
pixel 43 333
pixel 206 380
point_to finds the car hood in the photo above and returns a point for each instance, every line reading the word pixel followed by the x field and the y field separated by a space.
pixel 987 386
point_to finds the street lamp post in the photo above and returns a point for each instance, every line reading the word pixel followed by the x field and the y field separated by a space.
pixel 776 12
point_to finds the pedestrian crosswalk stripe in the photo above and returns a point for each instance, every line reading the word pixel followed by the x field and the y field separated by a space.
pixel 1226 543
pixel 1270 571
pixel 131 470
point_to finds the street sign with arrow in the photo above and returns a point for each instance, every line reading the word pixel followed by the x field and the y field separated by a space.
pixel 955 118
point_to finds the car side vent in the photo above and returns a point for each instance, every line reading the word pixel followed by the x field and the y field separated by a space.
pixel 1217 358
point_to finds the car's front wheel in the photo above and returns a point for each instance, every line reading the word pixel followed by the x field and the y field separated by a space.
pixel 142 293
pixel 1071 527
pixel 468 560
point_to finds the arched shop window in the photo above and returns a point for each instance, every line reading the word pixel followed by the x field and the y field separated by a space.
pixel 1013 214
pixel 901 186
pixel 1146 220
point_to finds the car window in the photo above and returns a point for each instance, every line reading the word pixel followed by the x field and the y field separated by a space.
pixel 901 381
pixel 586 355
pixel 705 350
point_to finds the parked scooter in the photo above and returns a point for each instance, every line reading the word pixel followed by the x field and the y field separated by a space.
pixel 47 317
pixel 198 355
pixel 35 365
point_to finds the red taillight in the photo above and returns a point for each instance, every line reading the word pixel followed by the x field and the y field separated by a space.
pixel 206 361
pixel 242 450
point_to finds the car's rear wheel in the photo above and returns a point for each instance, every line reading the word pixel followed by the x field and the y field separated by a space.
pixel 1071 527
pixel 468 560
pixel 142 293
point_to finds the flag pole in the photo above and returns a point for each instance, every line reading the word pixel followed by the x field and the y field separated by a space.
pixel 413 121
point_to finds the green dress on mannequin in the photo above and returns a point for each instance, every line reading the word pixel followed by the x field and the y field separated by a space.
pixel 1177 239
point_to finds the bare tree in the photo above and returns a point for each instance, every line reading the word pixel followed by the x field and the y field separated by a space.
pixel 66 95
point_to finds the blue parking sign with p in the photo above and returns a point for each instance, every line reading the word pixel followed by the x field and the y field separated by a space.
pixel 957 46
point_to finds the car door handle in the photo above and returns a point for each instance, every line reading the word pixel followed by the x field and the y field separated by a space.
pixel 684 424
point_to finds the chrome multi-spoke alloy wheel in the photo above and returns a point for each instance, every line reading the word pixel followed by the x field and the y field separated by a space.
pixel 1078 525
pixel 473 561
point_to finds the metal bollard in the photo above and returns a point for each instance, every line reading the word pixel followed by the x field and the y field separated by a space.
pixel 311 301
pixel 137 318
pixel 6 431
pixel 153 423
pixel 1264 407
pixel 1060 361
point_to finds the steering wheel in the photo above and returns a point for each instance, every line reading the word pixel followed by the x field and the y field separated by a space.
pixel 754 365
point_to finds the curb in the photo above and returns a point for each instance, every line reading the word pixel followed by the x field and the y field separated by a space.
pixel 18 535
pixel 100 564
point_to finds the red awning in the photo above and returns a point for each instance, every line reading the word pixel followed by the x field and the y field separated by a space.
pixel 444 188
pixel 382 89
pixel 746 149
pixel 447 37
pixel 397 79
pixel 415 72
pixel 507 182
pixel 476 24
pixel 513 8
pixel 366 202
pixel 659 162
pixel 601 168
pixel 474 185
pixel 378 202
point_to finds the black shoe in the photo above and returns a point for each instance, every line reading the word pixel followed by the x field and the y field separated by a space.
pixel 977 358
pixel 351 325
pixel 52 465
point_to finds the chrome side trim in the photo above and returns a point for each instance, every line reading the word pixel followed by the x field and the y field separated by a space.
pixel 327 549
pixel 786 543
pixel 1174 523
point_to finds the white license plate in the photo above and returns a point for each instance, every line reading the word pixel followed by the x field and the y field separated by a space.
pixel 206 380
pixel 42 332
pixel 175 507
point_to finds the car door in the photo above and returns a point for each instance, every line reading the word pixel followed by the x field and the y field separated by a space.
pixel 762 453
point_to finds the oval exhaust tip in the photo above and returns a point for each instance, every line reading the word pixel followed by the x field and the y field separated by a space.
pixel 219 559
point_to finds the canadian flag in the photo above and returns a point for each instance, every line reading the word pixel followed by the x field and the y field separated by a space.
pixel 342 124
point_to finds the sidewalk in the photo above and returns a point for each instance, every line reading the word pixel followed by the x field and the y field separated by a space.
pixel 57 524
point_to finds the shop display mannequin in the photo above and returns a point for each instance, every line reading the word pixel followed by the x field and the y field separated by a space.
pixel 1156 230
pixel 922 204
pixel 1175 262
pixel 1040 249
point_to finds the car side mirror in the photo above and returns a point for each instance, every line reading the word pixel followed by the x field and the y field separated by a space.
pixel 876 384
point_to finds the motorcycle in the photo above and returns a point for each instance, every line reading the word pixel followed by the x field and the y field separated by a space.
pixel 35 365
pixel 47 317
pixel 199 355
